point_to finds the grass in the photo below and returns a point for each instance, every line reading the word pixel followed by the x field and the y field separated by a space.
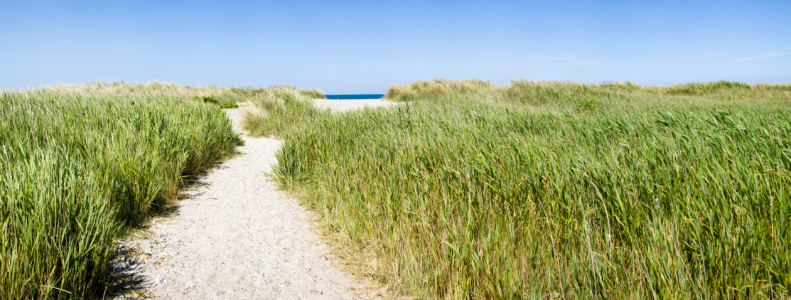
pixel 556 189
pixel 278 108
pixel 423 89
pixel 225 97
pixel 83 163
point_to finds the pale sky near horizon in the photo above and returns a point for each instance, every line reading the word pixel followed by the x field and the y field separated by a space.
pixel 362 47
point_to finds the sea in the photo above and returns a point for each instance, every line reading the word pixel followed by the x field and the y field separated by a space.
pixel 354 96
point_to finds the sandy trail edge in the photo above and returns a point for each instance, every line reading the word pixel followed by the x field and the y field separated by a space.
pixel 235 236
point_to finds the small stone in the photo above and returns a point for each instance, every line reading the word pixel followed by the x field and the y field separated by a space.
pixel 159 280
pixel 189 284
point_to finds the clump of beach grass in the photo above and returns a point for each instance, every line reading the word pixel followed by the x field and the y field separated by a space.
pixel 557 190
pixel 278 108
pixel 773 86
pixel 424 89
pixel 225 97
pixel 80 165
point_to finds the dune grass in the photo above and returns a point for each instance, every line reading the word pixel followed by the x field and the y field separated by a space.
pixel 278 108
pixel 79 166
pixel 558 190
pixel 423 89
pixel 225 97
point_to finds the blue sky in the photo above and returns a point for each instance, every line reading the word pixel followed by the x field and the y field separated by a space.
pixel 364 46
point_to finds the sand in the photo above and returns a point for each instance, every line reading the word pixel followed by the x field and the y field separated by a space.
pixel 236 236
pixel 344 105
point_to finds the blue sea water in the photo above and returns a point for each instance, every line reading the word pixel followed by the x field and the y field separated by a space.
pixel 354 96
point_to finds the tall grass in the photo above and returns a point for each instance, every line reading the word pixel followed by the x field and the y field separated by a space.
pixel 559 190
pixel 423 89
pixel 225 97
pixel 278 108
pixel 78 166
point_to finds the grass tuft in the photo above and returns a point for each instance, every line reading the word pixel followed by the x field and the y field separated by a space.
pixel 424 89
pixel 278 108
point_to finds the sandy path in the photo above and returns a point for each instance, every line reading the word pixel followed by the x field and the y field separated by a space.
pixel 235 237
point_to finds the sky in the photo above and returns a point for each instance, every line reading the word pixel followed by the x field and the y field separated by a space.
pixel 350 47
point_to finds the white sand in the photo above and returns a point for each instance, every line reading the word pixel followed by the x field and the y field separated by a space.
pixel 237 237
pixel 344 105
